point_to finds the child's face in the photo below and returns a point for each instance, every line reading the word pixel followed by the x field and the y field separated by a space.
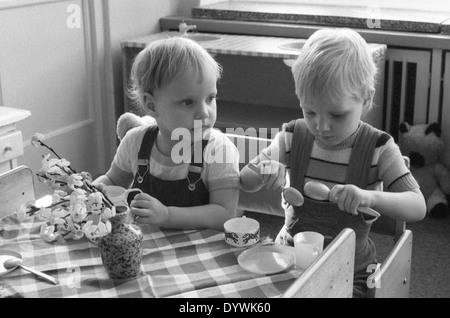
pixel 333 122
pixel 187 98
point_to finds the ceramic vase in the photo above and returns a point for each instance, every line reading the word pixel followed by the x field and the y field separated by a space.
pixel 121 250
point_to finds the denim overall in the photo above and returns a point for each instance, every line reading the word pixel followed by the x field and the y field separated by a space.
pixel 187 192
pixel 325 217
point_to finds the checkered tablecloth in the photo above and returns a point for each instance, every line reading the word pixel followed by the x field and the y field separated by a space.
pixel 175 264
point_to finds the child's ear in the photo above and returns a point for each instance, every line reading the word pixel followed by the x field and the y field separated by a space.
pixel 369 100
pixel 149 104
pixel 367 103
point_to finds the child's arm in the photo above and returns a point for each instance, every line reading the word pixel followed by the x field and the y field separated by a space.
pixel 404 201
pixel 115 176
pixel 222 207
pixel 408 206
pixel 251 180
pixel 127 147
pixel 265 172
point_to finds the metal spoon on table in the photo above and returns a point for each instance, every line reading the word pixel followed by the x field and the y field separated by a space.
pixel 291 195
pixel 17 262
pixel 319 191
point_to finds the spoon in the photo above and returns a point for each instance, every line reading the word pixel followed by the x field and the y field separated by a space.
pixel 14 262
pixel 291 195
pixel 319 191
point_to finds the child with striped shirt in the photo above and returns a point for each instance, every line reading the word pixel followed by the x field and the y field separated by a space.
pixel 363 166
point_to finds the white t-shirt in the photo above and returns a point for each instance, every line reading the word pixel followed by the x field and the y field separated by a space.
pixel 220 167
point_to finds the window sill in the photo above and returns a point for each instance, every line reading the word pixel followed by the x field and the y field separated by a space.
pixel 326 15
pixel 12 4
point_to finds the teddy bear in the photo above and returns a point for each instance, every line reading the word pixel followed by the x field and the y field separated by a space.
pixel 423 145
pixel 130 120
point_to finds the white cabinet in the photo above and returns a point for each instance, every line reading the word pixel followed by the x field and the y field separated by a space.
pixel 11 142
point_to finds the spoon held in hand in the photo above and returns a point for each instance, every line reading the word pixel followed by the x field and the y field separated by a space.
pixel 15 262
pixel 319 191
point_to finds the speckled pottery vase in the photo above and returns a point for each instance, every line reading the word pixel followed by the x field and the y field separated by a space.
pixel 121 250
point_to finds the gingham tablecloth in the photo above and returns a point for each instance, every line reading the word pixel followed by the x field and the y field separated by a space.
pixel 175 264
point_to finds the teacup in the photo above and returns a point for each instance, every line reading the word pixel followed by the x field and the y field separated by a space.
pixel 119 195
pixel 241 231
pixel 307 246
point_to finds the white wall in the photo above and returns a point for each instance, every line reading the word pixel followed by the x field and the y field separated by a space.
pixel 70 77
pixel 45 68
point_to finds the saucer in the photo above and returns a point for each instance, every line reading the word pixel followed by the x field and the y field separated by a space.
pixel 267 259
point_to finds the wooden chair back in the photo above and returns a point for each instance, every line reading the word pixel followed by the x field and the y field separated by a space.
pixel 387 226
pixel 16 188
pixel 331 274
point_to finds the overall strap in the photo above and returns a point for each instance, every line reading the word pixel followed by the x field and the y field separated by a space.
pixel 362 155
pixel 302 142
pixel 194 165
pixel 196 168
pixel 145 151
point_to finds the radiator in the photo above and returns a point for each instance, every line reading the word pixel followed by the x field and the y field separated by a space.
pixel 417 90
pixel 406 88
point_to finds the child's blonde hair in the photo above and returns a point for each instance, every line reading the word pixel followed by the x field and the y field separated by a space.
pixel 334 63
pixel 162 60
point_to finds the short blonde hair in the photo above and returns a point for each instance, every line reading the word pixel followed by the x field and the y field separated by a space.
pixel 162 60
pixel 334 63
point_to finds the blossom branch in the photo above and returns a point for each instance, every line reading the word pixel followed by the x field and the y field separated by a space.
pixel 36 141
pixel 84 212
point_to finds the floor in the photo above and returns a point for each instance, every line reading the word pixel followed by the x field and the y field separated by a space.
pixel 430 277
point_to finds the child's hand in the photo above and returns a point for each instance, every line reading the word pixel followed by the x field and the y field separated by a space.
pixel 101 187
pixel 272 174
pixel 349 197
pixel 149 210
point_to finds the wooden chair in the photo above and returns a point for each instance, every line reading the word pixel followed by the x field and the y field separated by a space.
pixel 16 188
pixel 331 274
pixel 391 278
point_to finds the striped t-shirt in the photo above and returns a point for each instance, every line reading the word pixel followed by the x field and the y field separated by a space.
pixel 329 164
